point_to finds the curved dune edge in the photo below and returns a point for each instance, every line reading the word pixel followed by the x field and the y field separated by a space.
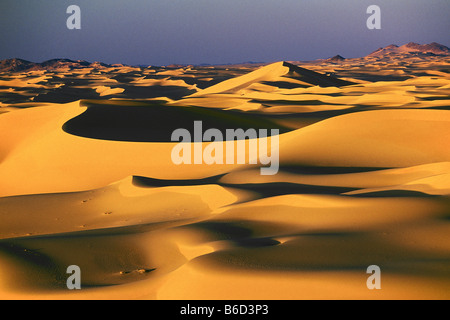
pixel 48 160
pixel 269 72
pixel 45 159
pixel 120 204
pixel 385 138
pixel 434 185
pixel 192 284
pixel 309 285
pixel 207 259
pixel 173 253
pixel 428 178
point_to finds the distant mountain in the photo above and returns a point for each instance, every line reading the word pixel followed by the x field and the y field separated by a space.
pixel 20 65
pixel 335 59
pixel 433 48
pixel 17 65
pixel 175 66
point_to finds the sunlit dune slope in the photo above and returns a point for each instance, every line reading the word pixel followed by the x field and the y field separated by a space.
pixel 387 138
pixel 80 164
pixel 271 74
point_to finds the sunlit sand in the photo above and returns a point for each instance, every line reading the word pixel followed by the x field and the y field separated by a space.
pixel 86 179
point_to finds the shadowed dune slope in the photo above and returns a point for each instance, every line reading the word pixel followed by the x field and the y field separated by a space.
pixel 155 122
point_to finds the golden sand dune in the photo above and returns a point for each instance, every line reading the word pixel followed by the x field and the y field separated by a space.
pixel 383 138
pixel 87 179
pixel 107 91
pixel 366 178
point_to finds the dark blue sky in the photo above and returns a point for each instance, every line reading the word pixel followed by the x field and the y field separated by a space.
pixel 161 32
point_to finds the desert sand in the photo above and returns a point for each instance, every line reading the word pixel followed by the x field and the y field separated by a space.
pixel 86 179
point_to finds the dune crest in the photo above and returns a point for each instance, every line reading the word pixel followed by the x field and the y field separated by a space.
pixel 278 71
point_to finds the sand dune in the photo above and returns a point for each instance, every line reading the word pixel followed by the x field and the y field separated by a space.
pixel 273 73
pixel 397 138
pixel 86 178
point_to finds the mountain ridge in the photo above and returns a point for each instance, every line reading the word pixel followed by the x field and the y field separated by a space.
pixel 412 47
pixel 22 65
